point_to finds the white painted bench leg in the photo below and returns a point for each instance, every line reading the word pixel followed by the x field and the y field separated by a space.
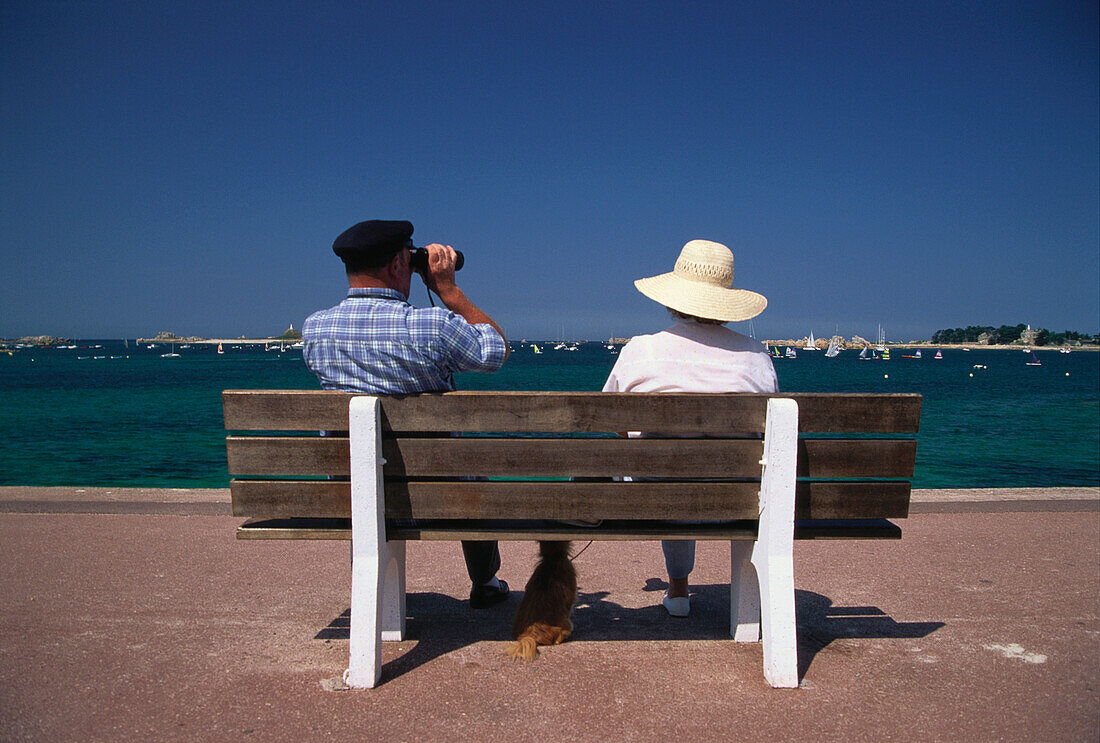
pixel 393 590
pixel 372 556
pixel 393 594
pixel 744 593
pixel 773 552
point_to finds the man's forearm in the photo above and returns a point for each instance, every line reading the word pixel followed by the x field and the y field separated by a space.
pixel 457 302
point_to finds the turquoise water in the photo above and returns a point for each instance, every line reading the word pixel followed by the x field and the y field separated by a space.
pixel 125 416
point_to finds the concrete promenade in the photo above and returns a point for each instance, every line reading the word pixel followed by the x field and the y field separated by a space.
pixel 136 615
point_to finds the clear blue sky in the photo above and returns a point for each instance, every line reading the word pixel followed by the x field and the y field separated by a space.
pixel 185 166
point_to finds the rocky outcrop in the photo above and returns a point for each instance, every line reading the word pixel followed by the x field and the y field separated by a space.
pixel 290 334
pixel 165 336
pixel 43 340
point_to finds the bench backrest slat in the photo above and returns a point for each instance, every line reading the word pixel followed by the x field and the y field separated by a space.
pixel 569 500
pixel 496 457
pixel 572 412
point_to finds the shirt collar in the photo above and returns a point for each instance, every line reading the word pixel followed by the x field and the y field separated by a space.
pixel 376 293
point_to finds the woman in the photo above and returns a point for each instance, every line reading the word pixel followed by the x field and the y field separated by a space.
pixel 696 354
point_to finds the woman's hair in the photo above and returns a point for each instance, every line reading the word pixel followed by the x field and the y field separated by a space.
pixel 677 315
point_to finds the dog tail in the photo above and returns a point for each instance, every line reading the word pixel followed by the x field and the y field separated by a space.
pixel 524 648
pixel 538 633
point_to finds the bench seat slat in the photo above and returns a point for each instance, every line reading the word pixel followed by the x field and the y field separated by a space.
pixel 306 410
pixel 540 457
pixel 569 500
pixel 526 531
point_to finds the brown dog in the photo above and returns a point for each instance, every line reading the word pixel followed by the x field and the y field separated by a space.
pixel 548 598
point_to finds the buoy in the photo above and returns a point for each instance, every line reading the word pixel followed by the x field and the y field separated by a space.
pixel 971 375
pixel 885 376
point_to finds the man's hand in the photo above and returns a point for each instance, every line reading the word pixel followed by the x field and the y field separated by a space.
pixel 441 268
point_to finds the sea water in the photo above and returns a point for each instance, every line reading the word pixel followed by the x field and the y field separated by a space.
pixel 109 413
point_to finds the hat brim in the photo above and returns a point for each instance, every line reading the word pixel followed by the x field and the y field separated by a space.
pixel 702 300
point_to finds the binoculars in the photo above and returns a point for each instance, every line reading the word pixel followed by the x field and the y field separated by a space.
pixel 419 260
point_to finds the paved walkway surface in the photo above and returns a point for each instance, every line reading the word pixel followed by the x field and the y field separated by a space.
pixel 151 622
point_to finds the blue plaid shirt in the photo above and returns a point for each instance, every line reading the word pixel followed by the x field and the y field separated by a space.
pixel 376 342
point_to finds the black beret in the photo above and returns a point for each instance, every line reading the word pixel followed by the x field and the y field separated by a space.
pixel 366 238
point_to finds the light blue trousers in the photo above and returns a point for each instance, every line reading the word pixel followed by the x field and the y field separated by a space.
pixel 679 557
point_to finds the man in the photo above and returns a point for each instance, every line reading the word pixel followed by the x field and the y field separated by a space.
pixel 376 342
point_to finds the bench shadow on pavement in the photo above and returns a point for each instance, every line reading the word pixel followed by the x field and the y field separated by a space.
pixel 440 624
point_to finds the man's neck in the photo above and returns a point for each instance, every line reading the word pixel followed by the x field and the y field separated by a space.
pixel 366 281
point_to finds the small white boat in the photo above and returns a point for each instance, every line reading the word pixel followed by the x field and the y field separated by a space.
pixel 1034 361
pixel 811 344
pixel 939 354
pixel 863 355
pixel 834 348
pixel 791 353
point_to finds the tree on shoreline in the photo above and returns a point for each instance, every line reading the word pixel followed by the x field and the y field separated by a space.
pixel 1008 334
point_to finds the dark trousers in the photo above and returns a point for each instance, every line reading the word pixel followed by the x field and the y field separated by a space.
pixel 482 561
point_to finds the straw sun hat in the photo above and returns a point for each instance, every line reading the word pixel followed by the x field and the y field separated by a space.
pixel 701 284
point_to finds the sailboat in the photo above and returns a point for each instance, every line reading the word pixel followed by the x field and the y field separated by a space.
pixel 171 354
pixel 811 344
pixel 220 349
pixel 863 355
pixel 791 354
pixel 834 348
pixel 939 354
pixel 1034 360
pixel 881 339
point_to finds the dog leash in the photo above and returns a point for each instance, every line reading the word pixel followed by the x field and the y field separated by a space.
pixel 574 557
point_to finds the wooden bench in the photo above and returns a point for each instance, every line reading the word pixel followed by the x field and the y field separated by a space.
pixel 828 466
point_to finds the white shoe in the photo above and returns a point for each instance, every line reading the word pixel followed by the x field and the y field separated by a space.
pixel 678 607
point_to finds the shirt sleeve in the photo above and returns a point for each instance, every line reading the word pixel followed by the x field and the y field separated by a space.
pixel 471 347
pixel 612 383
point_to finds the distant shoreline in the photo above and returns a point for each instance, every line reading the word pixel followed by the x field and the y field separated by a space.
pixel 944 346
pixel 46 341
